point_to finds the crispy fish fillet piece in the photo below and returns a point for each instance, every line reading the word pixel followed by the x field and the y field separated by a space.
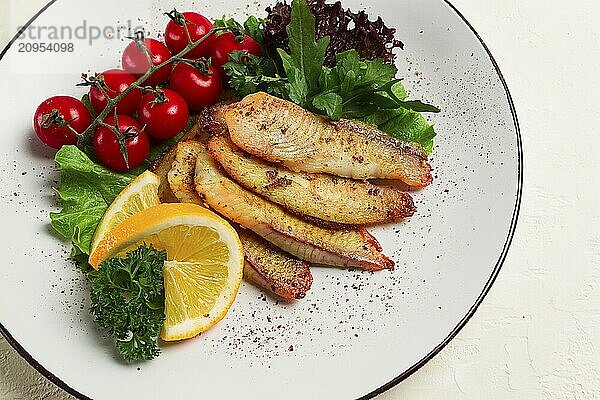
pixel 181 175
pixel 269 267
pixel 211 119
pixel 329 198
pixel 283 132
pixel 266 266
pixel 341 248
pixel 163 164
pixel 161 167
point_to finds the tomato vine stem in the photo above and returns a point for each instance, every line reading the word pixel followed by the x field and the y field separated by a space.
pixel 86 135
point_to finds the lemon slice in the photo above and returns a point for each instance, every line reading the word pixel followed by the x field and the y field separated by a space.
pixel 140 194
pixel 203 271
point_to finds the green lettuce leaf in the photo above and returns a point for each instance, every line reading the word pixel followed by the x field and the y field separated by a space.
pixel 404 124
pixel 86 190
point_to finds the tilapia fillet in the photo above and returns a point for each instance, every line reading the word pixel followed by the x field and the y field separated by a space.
pixel 161 167
pixel 211 119
pixel 283 132
pixel 163 164
pixel 342 248
pixel 265 266
pixel 269 267
pixel 181 175
pixel 326 197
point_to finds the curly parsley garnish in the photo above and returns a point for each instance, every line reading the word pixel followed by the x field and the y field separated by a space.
pixel 127 299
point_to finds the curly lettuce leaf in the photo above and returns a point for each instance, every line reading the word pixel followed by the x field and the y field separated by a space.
pixel 86 190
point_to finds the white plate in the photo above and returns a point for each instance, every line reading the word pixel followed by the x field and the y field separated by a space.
pixel 356 334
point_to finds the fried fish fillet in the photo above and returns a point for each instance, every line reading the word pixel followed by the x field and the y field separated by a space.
pixel 161 167
pixel 329 198
pixel 342 248
pixel 269 267
pixel 283 132
pixel 211 119
pixel 163 164
pixel 266 266
pixel 181 175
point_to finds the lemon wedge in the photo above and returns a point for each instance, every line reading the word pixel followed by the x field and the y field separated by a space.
pixel 140 194
pixel 204 266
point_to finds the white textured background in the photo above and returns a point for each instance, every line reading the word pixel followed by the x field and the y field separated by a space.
pixel 537 334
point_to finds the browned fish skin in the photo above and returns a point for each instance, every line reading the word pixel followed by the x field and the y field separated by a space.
pixel 283 132
pixel 163 164
pixel 181 175
pixel 325 197
pixel 161 167
pixel 343 248
pixel 269 267
pixel 211 119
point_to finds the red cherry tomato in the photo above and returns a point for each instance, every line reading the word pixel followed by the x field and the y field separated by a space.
pixel 136 62
pixel 165 114
pixel 226 43
pixel 199 90
pixel 116 81
pixel 108 148
pixel 198 25
pixel 56 118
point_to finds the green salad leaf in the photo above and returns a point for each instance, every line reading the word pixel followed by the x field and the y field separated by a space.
pixel 330 103
pixel 86 190
pixel 406 125
pixel 229 23
pixel 254 28
pixel 304 64
pixel 364 87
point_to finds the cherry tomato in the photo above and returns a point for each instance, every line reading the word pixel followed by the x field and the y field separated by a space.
pixel 56 118
pixel 135 61
pixel 226 43
pixel 108 145
pixel 116 82
pixel 165 114
pixel 199 89
pixel 198 25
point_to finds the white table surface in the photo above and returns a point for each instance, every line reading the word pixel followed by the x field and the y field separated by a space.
pixel 537 334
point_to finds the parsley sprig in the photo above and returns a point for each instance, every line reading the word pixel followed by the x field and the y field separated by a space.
pixel 127 299
pixel 251 74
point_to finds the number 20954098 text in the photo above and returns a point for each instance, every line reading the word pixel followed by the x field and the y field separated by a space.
pixel 46 47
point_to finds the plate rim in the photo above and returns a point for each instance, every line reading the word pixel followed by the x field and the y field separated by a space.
pixel 461 324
